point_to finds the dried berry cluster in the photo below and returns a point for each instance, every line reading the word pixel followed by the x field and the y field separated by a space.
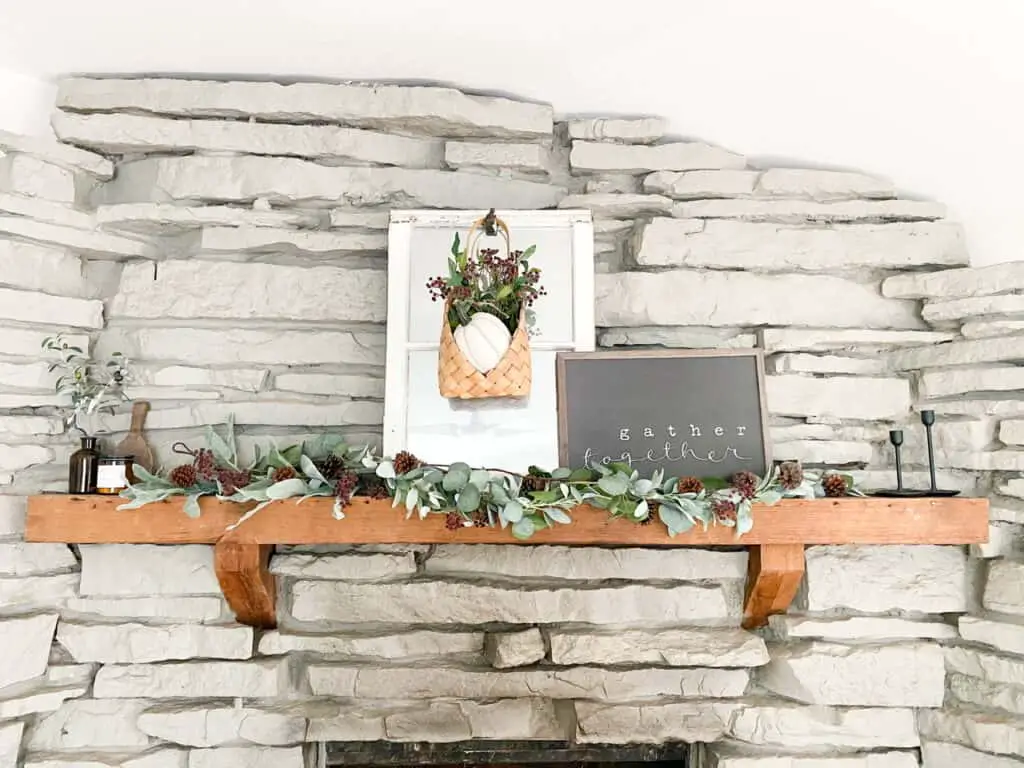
pixel 204 469
pixel 746 484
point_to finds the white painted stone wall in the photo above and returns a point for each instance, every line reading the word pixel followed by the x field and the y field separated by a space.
pixel 265 209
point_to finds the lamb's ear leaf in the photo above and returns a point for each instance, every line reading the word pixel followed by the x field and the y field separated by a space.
pixel 192 505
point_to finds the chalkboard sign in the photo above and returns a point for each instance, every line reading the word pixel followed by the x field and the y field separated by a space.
pixel 688 412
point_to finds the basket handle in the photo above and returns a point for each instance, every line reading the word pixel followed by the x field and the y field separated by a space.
pixel 490 225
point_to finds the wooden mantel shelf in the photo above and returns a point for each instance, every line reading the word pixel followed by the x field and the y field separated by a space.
pixel 776 542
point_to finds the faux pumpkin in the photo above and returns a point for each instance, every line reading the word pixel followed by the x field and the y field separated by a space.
pixel 483 341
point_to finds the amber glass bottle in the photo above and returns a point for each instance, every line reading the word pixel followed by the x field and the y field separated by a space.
pixel 82 467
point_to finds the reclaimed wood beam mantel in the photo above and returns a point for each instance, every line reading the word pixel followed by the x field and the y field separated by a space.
pixel 242 553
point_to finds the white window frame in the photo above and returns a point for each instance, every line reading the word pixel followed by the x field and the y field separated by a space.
pixel 400 231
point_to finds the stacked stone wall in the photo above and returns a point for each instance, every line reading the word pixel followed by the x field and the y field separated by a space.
pixel 230 238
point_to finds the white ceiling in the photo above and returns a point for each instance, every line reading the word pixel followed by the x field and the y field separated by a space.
pixel 925 91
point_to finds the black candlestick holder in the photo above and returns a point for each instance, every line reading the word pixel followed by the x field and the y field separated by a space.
pixel 928 419
pixel 896 439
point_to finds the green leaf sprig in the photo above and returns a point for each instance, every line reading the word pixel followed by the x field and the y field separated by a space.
pixel 328 467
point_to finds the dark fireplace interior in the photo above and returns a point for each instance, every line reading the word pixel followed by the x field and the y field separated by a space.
pixel 535 754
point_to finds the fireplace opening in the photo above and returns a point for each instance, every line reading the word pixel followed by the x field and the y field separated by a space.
pixel 535 754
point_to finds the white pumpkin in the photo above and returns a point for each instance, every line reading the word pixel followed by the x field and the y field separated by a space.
pixel 483 341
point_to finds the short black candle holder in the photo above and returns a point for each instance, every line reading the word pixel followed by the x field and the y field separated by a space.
pixel 896 438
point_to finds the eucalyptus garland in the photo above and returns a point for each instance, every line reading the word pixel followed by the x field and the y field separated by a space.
pixel 328 467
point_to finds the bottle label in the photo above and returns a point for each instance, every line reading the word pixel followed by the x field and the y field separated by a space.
pixel 111 476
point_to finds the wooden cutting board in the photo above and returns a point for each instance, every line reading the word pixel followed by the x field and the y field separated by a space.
pixel 135 444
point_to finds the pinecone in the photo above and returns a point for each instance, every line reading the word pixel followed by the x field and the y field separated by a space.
pixel 405 462
pixel 282 473
pixel 535 482
pixel 480 519
pixel 724 510
pixel 834 484
pixel 205 464
pixel 453 521
pixel 652 512
pixel 689 485
pixel 331 467
pixel 183 476
pixel 232 479
pixel 746 483
pixel 791 475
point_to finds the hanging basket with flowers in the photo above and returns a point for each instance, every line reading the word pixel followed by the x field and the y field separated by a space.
pixel 485 334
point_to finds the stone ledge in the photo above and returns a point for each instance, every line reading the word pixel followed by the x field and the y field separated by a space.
pixel 53 152
pixel 629 299
pixel 723 244
pixel 938 754
pixel 859 628
pixel 679 156
pixel 44 309
pixel 1005 637
pixel 518 157
pixel 546 563
pixel 103 244
pixel 823 729
pixel 651 723
pixel 210 289
pixel 46 694
pixel 569 683
pixel 505 650
pixel 910 675
pixel 274 240
pixel 441 721
pixel 644 130
pixel 879 579
pixel 194 680
pixel 26 648
pixel 986 731
pixel 145 570
pixel 459 603
pixel 402 646
pixel 673 647
pixel 197 346
pixel 126 134
pixel 171 219
pixel 376 567
pixel 213 726
pixel 957 283
pixel 137 643
pixel 90 725
pixel 861 341
pixel 288 181
pixel 247 757
pixel 810 212
pixel 730 757
pixel 442 111
pixel 838 397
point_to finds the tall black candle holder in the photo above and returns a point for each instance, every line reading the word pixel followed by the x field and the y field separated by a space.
pixel 928 419
pixel 896 439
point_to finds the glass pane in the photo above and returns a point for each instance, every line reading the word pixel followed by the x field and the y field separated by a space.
pixel 503 433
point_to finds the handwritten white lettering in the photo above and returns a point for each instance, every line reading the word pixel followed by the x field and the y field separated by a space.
pixel 648 432
pixel 624 434
pixel 719 431
pixel 694 430
pixel 670 452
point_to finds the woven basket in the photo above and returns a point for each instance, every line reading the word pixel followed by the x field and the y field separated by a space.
pixel 457 378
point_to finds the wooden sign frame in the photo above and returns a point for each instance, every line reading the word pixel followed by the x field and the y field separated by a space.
pixel 756 353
